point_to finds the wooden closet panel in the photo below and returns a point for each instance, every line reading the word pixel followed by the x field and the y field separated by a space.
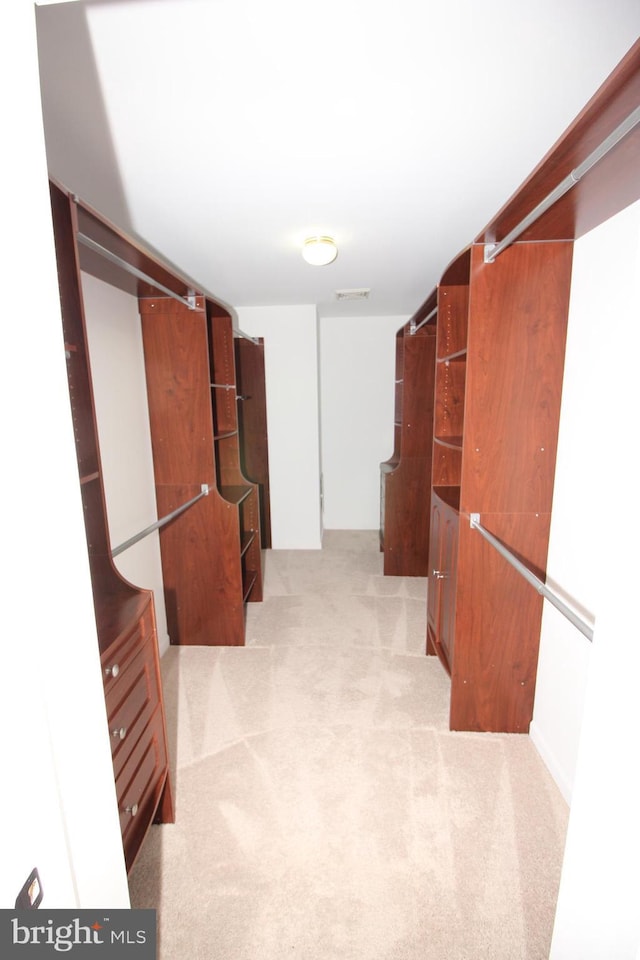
pixel 497 626
pixel 201 568
pixel 516 346
pixel 177 371
pixel 417 403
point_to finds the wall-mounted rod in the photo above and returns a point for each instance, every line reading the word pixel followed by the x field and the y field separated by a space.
pixel 492 250
pixel 585 628
pixel 204 490
pixel 189 301
pixel 414 327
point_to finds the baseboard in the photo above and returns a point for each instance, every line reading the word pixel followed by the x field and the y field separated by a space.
pixel 551 763
pixel 163 644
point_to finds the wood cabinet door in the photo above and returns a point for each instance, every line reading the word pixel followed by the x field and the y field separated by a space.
pixel 447 581
pixel 434 585
pixel 443 551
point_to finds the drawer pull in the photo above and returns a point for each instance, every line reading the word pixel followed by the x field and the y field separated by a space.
pixel 132 810
pixel 119 734
pixel 112 671
pixel 440 574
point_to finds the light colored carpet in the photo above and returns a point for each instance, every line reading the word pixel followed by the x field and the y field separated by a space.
pixel 324 810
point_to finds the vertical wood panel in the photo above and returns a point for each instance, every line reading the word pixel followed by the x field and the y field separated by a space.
pixel 177 370
pixel 406 477
pixel 497 626
pixel 517 335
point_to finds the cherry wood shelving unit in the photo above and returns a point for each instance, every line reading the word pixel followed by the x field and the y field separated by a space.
pixel 211 552
pixel 252 424
pixel 501 333
pixel 405 478
pixel 125 615
pixel 211 555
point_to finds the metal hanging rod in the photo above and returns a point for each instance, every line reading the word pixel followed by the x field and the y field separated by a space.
pixel 414 327
pixel 492 250
pixel 204 491
pixel 585 628
pixel 189 301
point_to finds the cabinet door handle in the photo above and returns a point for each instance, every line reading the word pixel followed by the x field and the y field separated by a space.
pixel 132 810
pixel 112 671
pixel 120 733
pixel 440 574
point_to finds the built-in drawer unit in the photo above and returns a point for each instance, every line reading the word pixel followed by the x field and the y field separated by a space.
pixel 135 716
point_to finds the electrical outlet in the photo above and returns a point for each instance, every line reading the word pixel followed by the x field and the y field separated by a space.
pixel 30 897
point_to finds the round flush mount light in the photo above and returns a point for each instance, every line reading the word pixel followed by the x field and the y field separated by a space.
pixel 318 251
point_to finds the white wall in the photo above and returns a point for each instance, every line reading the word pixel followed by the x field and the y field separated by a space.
pixel 573 564
pixel 57 809
pixel 599 309
pixel 357 371
pixel 292 388
pixel 118 373
pixel 597 914
pixel 330 399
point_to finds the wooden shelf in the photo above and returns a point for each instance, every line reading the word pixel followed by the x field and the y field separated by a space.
pixel 89 478
pixel 235 494
pixel 455 443
pixel 452 357
pixel 448 495
pixel 248 537
pixel 249 581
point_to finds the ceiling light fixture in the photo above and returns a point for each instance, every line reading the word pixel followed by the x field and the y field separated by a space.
pixel 318 251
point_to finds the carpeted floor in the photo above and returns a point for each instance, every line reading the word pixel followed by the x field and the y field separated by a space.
pixel 324 810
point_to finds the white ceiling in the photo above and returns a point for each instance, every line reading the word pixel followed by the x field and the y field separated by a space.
pixel 224 132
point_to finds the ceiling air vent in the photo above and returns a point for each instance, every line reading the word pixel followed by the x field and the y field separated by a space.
pixel 361 293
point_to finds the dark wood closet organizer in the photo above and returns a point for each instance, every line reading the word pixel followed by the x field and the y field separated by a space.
pixel 125 614
pixel 501 329
pixel 501 338
pixel 252 424
pixel 405 478
pixel 211 553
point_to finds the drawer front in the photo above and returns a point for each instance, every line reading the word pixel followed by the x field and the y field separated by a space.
pixel 131 702
pixel 140 784
pixel 119 655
